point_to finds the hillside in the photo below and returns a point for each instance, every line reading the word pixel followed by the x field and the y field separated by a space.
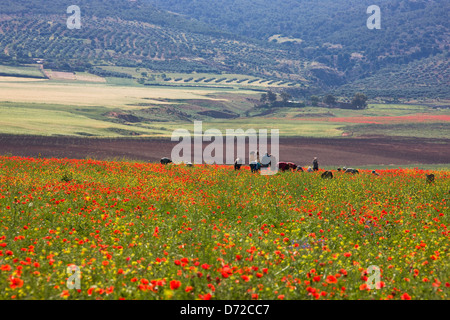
pixel 322 46
pixel 334 33
pixel 132 34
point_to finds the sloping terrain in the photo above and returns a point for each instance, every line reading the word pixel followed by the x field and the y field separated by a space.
pixel 323 44
pixel 121 33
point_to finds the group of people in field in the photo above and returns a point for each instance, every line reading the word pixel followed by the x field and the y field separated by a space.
pixel 256 163
pixel 267 160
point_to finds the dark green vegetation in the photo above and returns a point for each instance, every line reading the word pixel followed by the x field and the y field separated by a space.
pixel 412 43
pixel 131 34
pixel 320 45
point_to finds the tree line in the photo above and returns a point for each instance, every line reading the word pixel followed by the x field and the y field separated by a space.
pixel 269 99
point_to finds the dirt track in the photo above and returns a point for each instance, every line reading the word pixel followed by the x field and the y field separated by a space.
pixel 336 152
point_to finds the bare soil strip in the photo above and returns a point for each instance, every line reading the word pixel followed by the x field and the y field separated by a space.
pixel 330 152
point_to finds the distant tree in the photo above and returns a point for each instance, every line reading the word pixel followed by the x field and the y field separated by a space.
pixel 329 100
pixel 272 97
pixel 359 101
pixel 263 99
pixel 314 101
pixel 285 97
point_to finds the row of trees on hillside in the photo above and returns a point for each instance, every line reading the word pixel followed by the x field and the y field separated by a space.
pixel 359 101
pixel 269 99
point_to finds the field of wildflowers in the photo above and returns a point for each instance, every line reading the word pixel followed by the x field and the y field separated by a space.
pixel 148 231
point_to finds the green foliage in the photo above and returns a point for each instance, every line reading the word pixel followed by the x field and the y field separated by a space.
pixel 314 101
pixel 329 100
pixel 332 31
pixel 271 97
pixel 359 101
pixel 285 96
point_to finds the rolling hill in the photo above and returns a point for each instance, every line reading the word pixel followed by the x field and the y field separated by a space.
pixel 323 45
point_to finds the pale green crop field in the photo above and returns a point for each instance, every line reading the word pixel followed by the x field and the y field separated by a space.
pixel 285 128
pixel 93 94
pixel 84 109
pixel 32 71
pixel 37 121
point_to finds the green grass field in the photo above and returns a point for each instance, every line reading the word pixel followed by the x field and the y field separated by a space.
pixel 23 71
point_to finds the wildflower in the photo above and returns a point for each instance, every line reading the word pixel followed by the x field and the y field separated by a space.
pixel 331 279
pixel 406 296
pixel 175 284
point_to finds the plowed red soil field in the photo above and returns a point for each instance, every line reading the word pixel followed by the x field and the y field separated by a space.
pixel 330 152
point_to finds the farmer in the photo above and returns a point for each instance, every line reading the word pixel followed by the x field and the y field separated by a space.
pixel 292 166
pixel 315 164
pixel 165 160
pixel 266 160
pixel 284 166
pixel 327 175
pixel 237 164
pixel 255 166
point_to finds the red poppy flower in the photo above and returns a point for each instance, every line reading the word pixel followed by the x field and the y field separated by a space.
pixel 65 294
pixel 90 290
pixel 406 296
pixel 317 278
pixel 175 284
pixel 15 282
pixel 245 278
pixel 331 279
pixel 207 296
pixel 5 267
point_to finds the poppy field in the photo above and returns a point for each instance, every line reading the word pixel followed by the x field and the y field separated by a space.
pixel 148 231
